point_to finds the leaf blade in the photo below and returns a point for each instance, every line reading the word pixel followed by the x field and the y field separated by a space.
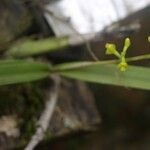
pixel 31 47
pixel 134 77
pixel 20 71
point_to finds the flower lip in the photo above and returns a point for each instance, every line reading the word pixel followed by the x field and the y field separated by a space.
pixel 123 66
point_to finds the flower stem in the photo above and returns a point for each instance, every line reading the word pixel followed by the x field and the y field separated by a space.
pixel 75 65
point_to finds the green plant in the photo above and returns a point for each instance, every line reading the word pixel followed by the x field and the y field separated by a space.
pixel 105 72
pixel 111 49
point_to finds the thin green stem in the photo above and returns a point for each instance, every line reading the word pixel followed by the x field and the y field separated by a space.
pixel 138 58
pixel 68 66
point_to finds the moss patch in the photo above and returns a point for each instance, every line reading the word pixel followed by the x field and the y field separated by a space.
pixel 26 101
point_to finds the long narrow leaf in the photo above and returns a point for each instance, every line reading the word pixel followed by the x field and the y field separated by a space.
pixel 134 77
pixel 19 71
pixel 31 47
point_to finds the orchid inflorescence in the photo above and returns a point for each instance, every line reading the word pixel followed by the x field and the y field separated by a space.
pixel 111 50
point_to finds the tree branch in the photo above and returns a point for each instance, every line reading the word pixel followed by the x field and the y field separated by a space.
pixel 46 116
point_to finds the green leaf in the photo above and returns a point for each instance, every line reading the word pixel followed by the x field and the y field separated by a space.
pixel 19 71
pixel 134 77
pixel 33 47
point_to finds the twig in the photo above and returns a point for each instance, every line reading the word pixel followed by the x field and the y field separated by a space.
pixel 46 116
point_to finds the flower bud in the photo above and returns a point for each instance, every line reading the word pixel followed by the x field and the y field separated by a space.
pixel 111 49
pixel 149 39
pixel 127 42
